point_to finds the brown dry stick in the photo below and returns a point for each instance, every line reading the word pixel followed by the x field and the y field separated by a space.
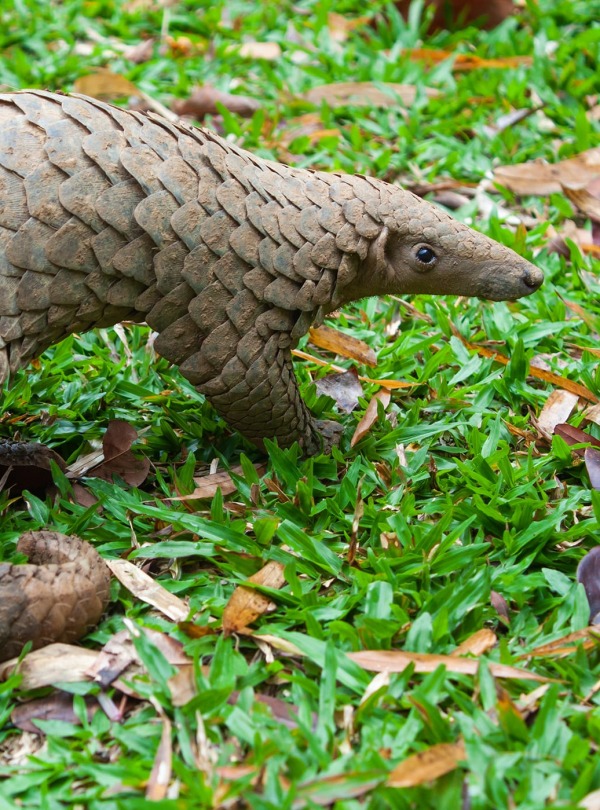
pixel 58 596
pixel 107 214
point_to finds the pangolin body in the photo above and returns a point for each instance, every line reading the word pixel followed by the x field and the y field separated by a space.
pixel 107 214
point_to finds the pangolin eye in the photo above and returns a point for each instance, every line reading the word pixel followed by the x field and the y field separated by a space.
pixel 426 255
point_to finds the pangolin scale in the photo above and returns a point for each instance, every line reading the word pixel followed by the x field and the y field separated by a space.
pixel 107 214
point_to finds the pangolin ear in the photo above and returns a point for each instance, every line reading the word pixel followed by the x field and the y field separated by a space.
pixel 378 259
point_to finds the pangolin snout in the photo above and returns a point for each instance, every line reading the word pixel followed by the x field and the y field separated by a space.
pixel 532 277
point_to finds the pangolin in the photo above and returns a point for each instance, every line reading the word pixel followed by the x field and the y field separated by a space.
pixel 108 214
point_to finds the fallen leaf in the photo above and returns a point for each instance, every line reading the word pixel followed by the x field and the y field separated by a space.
pixel 370 416
pixel 140 53
pixel 588 573
pixel 587 317
pixel 500 605
pixel 391 384
pixel 56 706
pixel 508 120
pixel 341 26
pixel 203 101
pixel 591 458
pixel 540 178
pixel 592 413
pixel 148 590
pixel 539 373
pixel 277 643
pixel 343 387
pixel 366 94
pixel 246 604
pixel 271 51
pixel 427 765
pixel 104 84
pixel 557 409
pixel 162 767
pixel 308 126
pixel 465 61
pixel 573 435
pixel 208 485
pixel 557 242
pixel 118 458
pixel 586 199
pixel 588 638
pixel 178 47
pixel 327 791
pixel 332 340
pixel 113 659
pixel 398 661
pixel 54 663
pixel 477 644
pixel 591 801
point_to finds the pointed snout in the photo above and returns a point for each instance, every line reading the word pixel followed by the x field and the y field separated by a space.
pixel 502 283
pixel 532 278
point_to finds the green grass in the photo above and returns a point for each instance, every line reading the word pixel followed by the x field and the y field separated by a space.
pixel 473 510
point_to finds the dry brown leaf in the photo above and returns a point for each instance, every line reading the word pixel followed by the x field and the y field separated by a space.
pixel 398 661
pixel 591 801
pixel 592 414
pixel 341 26
pixel 588 639
pixel 588 573
pixel 391 384
pixel 557 241
pixel 365 94
pixel 343 387
pixel 543 179
pixel 573 435
pixel 113 659
pixel 557 409
pixel 277 643
pixel 246 604
pixel 509 120
pixel 148 590
pixel 539 373
pixel 179 47
pixel 56 706
pixel 500 605
pixel 271 51
pixel 104 84
pixel 370 415
pixel 308 126
pixel 162 768
pixel 141 52
pixel 203 101
pixel 465 61
pixel 427 765
pixel 477 644
pixel 182 685
pixel 52 664
pixel 591 458
pixel 118 458
pixel 586 199
pixel 327 791
pixel 332 340
pixel 587 317
pixel 207 485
